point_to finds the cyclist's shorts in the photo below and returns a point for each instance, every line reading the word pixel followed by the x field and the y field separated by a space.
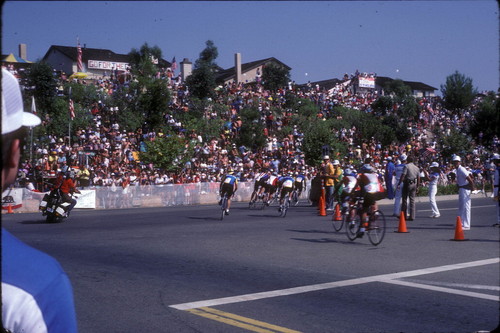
pixel 371 198
pixel 227 188
pixel 285 191
pixel 299 186
pixel 258 184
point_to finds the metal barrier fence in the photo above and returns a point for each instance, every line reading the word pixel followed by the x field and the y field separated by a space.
pixel 108 197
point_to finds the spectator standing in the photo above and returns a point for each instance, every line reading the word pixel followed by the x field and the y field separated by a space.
pixel 36 292
pixel 411 181
pixel 465 184
pixel 328 178
pixel 433 177
pixel 390 168
pixel 398 173
pixel 496 184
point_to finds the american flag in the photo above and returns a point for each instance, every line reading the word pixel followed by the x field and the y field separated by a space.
pixel 71 109
pixel 33 105
pixel 174 64
pixel 79 62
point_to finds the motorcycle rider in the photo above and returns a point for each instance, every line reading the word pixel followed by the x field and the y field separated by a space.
pixel 68 187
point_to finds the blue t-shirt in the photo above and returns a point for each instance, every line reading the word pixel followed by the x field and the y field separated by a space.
pixel 36 292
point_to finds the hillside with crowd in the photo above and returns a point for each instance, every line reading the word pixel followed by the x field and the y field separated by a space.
pixel 105 153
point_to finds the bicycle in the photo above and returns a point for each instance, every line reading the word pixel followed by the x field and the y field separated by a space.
pixel 285 206
pixel 295 198
pixel 223 206
pixel 338 224
pixel 376 223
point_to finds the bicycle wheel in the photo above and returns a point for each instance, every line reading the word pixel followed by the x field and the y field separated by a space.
pixel 223 207
pixel 376 228
pixel 286 205
pixel 352 227
pixel 295 198
pixel 338 224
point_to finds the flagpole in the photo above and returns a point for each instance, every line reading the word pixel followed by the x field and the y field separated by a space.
pixel 33 110
pixel 69 125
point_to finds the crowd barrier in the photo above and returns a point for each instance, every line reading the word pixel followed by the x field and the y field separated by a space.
pixel 25 201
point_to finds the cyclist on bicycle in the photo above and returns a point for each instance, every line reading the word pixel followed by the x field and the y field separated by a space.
pixel 259 185
pixel 349 185
pixel 300 183
pixel 286 186
pixel 271 187
pixel 228 185
pixel 371 190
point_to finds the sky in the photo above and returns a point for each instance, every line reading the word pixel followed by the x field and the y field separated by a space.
pixel 423 41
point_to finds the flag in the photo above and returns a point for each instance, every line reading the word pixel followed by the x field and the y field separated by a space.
pixel 71 109
pixel 33 105
pixel 174 64
pixel 79 62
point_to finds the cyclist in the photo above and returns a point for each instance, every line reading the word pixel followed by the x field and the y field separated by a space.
pixel 68 187
pixel 259 185
pixel 349 184
pixel 228 185
pixel 286 186
pixel 271 187
pixel 371 190
pixel 300 183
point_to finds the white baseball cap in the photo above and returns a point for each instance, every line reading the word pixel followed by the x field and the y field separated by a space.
pixel 13 115
pixel 326 157
pixel 434 165
pixel 456 158
pixel 336 162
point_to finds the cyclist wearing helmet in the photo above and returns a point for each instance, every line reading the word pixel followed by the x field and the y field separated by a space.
pixel 348 188
pixel 300 183
pixel 371 190
pixel 286 185
pixel 68 187
pixel 271 187
pixel 260 184
pixel 228 185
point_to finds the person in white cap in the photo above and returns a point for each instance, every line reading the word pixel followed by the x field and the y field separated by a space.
pixel 433 177
pixel 398 193
pixel 465 184
pixel 328 178
pixel 496 185
pixel 36 292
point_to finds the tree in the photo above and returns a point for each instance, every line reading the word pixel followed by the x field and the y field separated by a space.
pixel 275 76
pixel 318 134
pixel 41 83
pixel 168 153
pixel 251 132
pixel 486 123
pixel 458 92
pixel 455 143
pixel 143 61
pixel 202 82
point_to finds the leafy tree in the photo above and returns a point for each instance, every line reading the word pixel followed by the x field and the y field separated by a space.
pixel 251 132
pixel 168 153
pixel 142 61
pixel 41 83
pixel 458 92
pixel 486 120
pixel 202 82
pixel 455 143
pixel 275 76
pixel 317 134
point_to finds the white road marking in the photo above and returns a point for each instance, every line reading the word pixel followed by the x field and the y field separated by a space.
pixel 330 285
pixel 445 290
pixel 454 208
pixel 456 285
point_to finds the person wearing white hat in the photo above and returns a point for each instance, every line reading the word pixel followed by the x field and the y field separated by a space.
pixel 398 193
pixel 496 184
pixel 36 292
pixel 465 184
pixel 433 177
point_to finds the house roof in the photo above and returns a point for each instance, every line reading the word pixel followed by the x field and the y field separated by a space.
pixel 226 74
pixel 323 84
pixel 382 80
pixel 94 54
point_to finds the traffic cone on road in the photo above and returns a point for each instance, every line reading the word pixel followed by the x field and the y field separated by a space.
pixel 402 223
pixel 337 216
pixel 322 208
pixel 9 209
pixel 459 232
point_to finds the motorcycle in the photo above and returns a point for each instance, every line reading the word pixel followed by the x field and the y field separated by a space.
pixel 53 206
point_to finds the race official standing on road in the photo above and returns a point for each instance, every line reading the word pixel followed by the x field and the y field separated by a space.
pixel 433 177
pixel 36 292
pixel 411 181
pixel 398 193
pixel 465 184
pixel 496 184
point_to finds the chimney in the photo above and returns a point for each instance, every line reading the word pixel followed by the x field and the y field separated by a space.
pixel 186 68
pixel 237 67
pixel 22 51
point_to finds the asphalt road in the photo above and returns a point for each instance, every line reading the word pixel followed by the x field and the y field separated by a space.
pixel 181 269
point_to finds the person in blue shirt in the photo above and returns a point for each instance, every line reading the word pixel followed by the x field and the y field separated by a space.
pixel 36 292
pixel 286 185
pixel 300 183
pixel 228 185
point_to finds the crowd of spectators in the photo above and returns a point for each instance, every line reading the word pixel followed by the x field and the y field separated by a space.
pixel 106 155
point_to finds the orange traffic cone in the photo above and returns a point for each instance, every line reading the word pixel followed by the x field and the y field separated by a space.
pixel 459 232
pixel 322 208
pixel 337 216
pixel 402 223
pixel 9 209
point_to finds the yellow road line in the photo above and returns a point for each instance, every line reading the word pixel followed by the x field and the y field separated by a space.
pixel 239 321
